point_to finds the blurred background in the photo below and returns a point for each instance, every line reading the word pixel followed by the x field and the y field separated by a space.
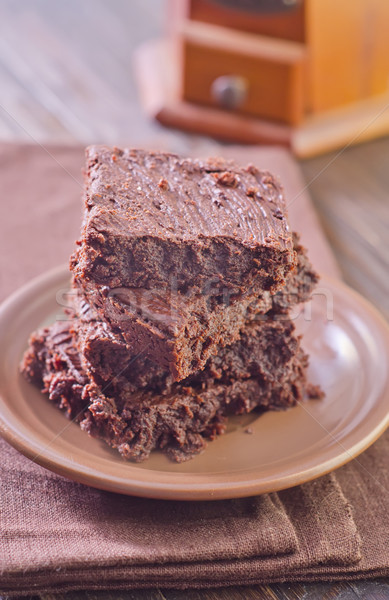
pixel 85 71
pixel 66 69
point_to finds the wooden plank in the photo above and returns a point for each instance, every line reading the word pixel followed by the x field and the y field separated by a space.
pixel 350 191
pixel 22 116
pixel 75 81
pixel 368 590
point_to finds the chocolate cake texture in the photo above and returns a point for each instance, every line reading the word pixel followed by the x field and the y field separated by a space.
pixel 181 333
pixel 183 282
pixel 264 370
pixel 155 220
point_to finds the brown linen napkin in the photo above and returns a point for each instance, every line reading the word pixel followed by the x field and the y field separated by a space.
pixel 78 525
pixel 57 534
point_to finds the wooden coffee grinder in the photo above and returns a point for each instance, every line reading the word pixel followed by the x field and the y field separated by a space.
pixel 309 74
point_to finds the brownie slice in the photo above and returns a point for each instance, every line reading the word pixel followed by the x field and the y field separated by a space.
pixel 154 220
pixel 264 370
pixel 106 357
pixel 180 333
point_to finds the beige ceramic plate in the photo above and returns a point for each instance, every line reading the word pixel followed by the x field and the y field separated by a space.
pixel 348 343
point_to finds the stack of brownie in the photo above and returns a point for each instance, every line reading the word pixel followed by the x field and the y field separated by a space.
pixel 182 287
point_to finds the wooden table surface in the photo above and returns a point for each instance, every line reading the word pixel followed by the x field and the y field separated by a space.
pixel 66 75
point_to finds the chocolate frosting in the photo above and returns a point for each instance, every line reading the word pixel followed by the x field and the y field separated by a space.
pixel 161 194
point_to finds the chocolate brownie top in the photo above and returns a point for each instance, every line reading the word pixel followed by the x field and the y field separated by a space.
pixel 136 192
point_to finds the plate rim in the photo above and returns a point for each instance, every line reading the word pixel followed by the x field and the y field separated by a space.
pixel 54 461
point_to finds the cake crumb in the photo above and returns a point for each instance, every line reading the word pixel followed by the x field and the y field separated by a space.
pixel 252 169
pixel 277 213
pixel 314 392
pixel 226 178
pixel 252 191
pixel 163 184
